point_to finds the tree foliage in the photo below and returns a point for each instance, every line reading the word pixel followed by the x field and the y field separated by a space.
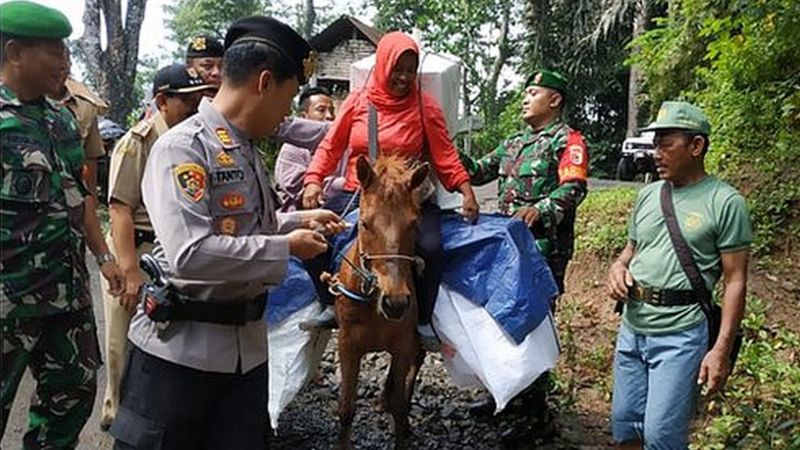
pixel 188 18
pixel 738 60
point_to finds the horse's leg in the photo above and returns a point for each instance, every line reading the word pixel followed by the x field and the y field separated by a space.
pixel 398 400
pixel 350 360
pixel 411 377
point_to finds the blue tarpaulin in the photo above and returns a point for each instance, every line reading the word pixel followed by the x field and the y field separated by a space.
pixel 494 263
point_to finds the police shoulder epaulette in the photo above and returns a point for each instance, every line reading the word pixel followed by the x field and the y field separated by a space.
pixel 79 89
pixel 142 129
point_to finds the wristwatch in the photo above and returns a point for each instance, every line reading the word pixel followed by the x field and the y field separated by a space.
pixel 104 258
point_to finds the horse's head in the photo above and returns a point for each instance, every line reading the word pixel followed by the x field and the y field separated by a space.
pixel 387 229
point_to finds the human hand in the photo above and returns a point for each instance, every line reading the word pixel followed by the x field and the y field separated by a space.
pixel 714 370
pixel 619 281
pixel 113 274
pixel 312 196
pixel 470 208
pixel 324 221
pixel 528 214
pixel 306 244
pixel 130 296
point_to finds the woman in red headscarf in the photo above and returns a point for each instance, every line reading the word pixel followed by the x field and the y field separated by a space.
pixel 409 123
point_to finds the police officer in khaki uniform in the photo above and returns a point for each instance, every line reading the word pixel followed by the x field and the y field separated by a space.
pixel 199 381
pixel 177 94
pixel 86 106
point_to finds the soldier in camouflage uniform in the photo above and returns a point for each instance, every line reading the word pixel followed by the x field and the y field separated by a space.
pixel 45 304
pixel 542 174
pixel 542 171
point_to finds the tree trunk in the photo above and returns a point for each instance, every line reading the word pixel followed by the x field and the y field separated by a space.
pixel 536 14
pixel 504 50
pixel 309 17
pixel 635 78
pixel 113 71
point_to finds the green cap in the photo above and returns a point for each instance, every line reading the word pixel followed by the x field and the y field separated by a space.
pixel 548 79
pixel 32 20
pixel 681 116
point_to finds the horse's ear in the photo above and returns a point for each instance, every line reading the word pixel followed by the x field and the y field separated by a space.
pixel 366 176
pixel 418 176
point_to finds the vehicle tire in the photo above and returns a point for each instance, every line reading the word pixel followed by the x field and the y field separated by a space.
pixel 625 170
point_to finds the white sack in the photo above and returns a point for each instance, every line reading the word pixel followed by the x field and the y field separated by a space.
pixel 294 357
pixel 477 352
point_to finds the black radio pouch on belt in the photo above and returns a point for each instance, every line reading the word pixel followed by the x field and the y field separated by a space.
pixel 712 311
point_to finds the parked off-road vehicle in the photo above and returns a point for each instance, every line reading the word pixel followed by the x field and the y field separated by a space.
pixel 637 160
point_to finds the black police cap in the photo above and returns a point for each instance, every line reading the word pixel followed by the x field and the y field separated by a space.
pixel 279 37
pixel 177 79
pixel 204 46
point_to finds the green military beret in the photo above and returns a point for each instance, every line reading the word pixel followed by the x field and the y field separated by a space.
pixel 548 79
pixel 32 20
pixel 681 116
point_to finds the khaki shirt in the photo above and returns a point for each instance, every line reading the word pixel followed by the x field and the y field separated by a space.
pixel 127 167
pixel 85 105
pixel 213 212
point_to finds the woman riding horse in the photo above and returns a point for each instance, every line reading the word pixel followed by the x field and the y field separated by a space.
pixel 410 124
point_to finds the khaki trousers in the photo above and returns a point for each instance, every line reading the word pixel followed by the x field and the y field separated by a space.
pixel 117 319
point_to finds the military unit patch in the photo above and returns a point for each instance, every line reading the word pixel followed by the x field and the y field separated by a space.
pixel 233 200
pixel 228 225
pixel 224 136
pixel 191 180
pixel 576 154
pixel 224 159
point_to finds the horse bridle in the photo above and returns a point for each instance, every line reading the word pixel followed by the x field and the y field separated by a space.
pixel 369 280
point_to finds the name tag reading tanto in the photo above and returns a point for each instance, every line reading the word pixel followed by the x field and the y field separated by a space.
pixel 221 177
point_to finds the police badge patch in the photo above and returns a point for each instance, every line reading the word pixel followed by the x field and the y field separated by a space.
pixel 199 43
pixel 191 180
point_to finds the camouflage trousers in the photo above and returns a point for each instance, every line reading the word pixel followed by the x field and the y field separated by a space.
pixel 63 355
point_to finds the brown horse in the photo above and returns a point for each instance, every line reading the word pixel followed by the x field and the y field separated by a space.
pixel 382 315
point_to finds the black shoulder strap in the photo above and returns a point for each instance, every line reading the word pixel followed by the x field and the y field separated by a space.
pixel 372 132
pixel 679 243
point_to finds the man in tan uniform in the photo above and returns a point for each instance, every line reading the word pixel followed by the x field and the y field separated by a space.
pixel 177 94
pixel 85 105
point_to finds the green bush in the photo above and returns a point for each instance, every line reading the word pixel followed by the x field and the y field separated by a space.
pixel 601 226
pixel 738 60
pixel 760 407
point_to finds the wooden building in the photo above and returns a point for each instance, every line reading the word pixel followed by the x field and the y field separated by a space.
pixel 342 43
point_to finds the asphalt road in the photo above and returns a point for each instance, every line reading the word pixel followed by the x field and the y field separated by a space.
pixel 92 437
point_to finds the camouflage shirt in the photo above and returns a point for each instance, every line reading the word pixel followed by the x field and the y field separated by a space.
pixel 545 169
pixel 41 214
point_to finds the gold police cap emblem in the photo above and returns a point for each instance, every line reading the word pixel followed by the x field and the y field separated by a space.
pixel 199 43
pixel 309 65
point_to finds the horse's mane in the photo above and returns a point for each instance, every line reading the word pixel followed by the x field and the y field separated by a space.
pixel 392 173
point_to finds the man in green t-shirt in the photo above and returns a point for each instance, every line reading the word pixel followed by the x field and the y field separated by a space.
pixel 662 352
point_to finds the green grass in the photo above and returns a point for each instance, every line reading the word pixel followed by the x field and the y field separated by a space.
pixel 601 226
